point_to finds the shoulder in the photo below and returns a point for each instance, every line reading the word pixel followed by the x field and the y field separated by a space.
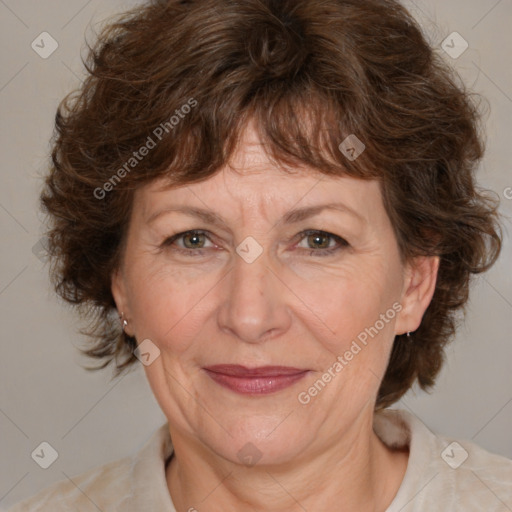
pixel 129 484
pixel 445 473
pixel 98 488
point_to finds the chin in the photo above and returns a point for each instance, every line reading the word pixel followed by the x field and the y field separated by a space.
pixel 258 441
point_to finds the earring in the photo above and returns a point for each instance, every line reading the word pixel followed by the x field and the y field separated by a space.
pixel 408 334
pixel 125 323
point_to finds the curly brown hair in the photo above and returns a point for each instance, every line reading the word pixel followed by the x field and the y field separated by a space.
pixel 182 79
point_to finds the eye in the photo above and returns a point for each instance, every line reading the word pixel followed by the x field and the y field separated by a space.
pixel 319 241
pixel 192 242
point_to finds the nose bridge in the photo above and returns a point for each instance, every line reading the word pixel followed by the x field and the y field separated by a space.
pixel 251 264
pixel 250 279
pixel 254 303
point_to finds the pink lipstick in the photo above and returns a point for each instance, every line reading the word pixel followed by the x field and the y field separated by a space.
pixel 254 381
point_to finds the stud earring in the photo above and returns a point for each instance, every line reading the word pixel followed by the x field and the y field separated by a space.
pixel 125 323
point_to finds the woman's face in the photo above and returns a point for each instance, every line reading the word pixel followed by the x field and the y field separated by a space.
pixel 253 289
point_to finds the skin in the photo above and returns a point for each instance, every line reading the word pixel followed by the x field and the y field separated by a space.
pixel 289 307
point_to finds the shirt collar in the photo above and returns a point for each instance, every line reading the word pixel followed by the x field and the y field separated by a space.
pixel 147 478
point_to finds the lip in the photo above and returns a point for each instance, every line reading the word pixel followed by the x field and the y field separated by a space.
pixel 255 381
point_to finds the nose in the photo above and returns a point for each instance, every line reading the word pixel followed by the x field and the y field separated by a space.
pixel 255 306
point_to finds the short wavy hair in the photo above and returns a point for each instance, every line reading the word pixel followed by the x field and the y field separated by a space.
pixel 182 79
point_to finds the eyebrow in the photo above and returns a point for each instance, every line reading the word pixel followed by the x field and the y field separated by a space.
pixel 300 214
pixel 205 215
pixel 291 217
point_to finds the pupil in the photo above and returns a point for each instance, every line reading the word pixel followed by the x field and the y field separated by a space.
pixel 193 236
pixel 318 239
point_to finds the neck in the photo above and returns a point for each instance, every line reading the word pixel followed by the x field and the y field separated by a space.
pixel 353 472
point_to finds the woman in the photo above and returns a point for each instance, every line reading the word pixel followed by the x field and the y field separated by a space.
pixel 277 199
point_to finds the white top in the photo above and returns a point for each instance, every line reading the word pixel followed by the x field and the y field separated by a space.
pixel 442 475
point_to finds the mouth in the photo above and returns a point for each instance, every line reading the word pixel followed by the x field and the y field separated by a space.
pixel 255 381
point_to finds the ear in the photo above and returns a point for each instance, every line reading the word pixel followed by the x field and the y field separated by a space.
pixel 118 289
pixel 419 286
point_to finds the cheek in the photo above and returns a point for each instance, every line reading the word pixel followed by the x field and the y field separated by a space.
pixel 333 304
pixel 168 307
pixel 345 303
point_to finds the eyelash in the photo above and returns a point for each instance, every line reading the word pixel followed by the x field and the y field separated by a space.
pixel 342 243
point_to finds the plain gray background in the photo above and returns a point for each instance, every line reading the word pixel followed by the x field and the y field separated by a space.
pixel 46 396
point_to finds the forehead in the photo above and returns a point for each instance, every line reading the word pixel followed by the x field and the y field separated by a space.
pixel 251 183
